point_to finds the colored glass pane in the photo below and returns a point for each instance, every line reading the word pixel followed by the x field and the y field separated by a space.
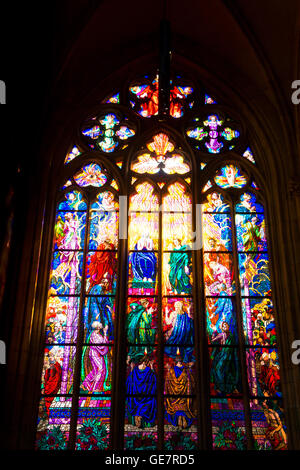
pixel 225 371
pixel 248 203
pixel 142 275
pixel 61 321
pixel 218 274
pixel 144 198
pixel 215 203
pixel 93 423
pixel 53 428
pixel 99 308
pixel 90 175
pixel 228 424
pixel 115 99
pixel 103 229
pixel 259 322
pixel 263 372
pixel 230 177
pixel 108 133
pixel 212 134
pixel 161 158
pixel 254 274
pixel 96 355
pixel 66 272
pixel 69 230
pixel 144 98
pixel 221 320
pixel 251 234
pixel 217 233
pixel 101 270
pixel 249 155
pixel 209 100
pixel 72 200
pixel 268 425
pixel 143 231
pixel 75 152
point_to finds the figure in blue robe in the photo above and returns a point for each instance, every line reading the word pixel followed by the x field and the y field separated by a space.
pixel 143 263
pixel 223 311
pixel 142 407
pixel 182 335
pixel 100 309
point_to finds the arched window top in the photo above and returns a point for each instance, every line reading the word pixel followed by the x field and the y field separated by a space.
pixel 209 127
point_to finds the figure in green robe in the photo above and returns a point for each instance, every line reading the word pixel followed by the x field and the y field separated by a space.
pixel 139 329
pixel 180 263
pixel 252 236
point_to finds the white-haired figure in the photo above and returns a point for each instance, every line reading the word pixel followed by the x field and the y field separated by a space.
pixel 95 360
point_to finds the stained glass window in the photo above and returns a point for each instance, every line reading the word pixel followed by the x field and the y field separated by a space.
pixel 160 281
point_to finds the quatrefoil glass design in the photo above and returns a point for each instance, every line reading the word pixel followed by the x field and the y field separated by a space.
pixel 108 132
pixel 214 134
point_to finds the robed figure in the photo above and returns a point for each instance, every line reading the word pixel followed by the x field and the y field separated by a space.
pixel 180 407
pixel 181 332
pixel 52 380
pixel 141 386
pixel 139 329
pixel 96 367
pixel 99 306
pixel 143 261
pixel 180 264
pixel 102 264
pixel 225 371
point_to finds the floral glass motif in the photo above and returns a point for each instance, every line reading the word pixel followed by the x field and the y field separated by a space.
pixel 162 157
pixel 109 133
pixel 144 98
pixel 90 175
pixel 214 134
pixel 230 176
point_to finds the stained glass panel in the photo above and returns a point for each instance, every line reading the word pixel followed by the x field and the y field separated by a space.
pixel 61 321
pixel 214 134
pixel 230 176
pixel 221 320
pixel 73 201
pixel 93 423
pixel 99 309
pixel 259 322
pixel 143 231
pixel 268 425
pixel 90 175
pixel 96 362
pixel 263 372
pixel 75 152
pixel 53 423
pixel 228 424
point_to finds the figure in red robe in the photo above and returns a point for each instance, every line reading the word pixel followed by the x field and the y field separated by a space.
pixel 102 264
pixel 52 381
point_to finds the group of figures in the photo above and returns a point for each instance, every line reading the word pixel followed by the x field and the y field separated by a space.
pixel 144 268
pixel 142 319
